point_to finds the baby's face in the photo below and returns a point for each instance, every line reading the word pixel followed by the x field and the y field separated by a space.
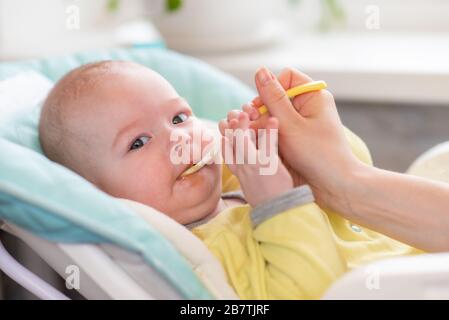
pixel 129 122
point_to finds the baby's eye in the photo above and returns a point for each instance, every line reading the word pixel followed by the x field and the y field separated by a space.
pixel 180 117
pixel 139 142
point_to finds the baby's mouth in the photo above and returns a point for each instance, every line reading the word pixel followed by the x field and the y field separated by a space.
pixel 193 168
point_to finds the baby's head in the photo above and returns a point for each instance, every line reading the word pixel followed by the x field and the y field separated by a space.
pixel 111 122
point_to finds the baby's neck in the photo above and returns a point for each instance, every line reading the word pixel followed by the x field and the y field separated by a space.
pixel 221 205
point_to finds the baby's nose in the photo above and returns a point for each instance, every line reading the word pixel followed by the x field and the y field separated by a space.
pixel 179 148
pixel 192 143
pixel 178 138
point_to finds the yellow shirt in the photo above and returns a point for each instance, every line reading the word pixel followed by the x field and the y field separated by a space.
pixel 297 253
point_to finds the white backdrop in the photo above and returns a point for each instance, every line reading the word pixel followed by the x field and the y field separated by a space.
pixel 36 28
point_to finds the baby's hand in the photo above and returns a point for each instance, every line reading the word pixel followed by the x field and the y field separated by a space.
pixel 252 156
pixel 260 121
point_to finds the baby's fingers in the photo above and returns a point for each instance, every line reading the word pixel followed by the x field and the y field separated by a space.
pixel 233 114
pixel 257 102
pixel 272 123
pixel 227 151
pixel 243 121
pixel 222 126
pixel 268 138
pixel 251 111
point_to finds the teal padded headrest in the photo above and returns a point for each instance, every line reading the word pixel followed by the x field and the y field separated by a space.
pixel 210 92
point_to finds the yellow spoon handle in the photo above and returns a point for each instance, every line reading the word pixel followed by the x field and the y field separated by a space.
pixel 296 91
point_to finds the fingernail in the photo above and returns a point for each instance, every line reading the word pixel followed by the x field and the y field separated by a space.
pixel 264 76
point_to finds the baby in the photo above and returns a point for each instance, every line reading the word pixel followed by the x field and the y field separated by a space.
pixel 113 122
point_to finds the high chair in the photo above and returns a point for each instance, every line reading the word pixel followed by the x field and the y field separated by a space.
pixel 108 248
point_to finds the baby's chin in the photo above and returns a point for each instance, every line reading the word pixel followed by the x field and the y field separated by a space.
pixel 200 192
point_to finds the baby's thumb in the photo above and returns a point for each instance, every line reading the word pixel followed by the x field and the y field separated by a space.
pixel 274 97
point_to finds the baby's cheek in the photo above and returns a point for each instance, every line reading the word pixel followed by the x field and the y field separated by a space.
pixel 154 189
pixel 150 194
pixel 147 181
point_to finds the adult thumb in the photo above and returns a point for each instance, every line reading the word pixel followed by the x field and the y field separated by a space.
pixel 274 97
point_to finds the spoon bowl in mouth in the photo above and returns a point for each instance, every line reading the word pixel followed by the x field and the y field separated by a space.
pixel 197 166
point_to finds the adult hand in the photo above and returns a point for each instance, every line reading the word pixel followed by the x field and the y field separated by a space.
pixel 311 136
pixel 312 140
